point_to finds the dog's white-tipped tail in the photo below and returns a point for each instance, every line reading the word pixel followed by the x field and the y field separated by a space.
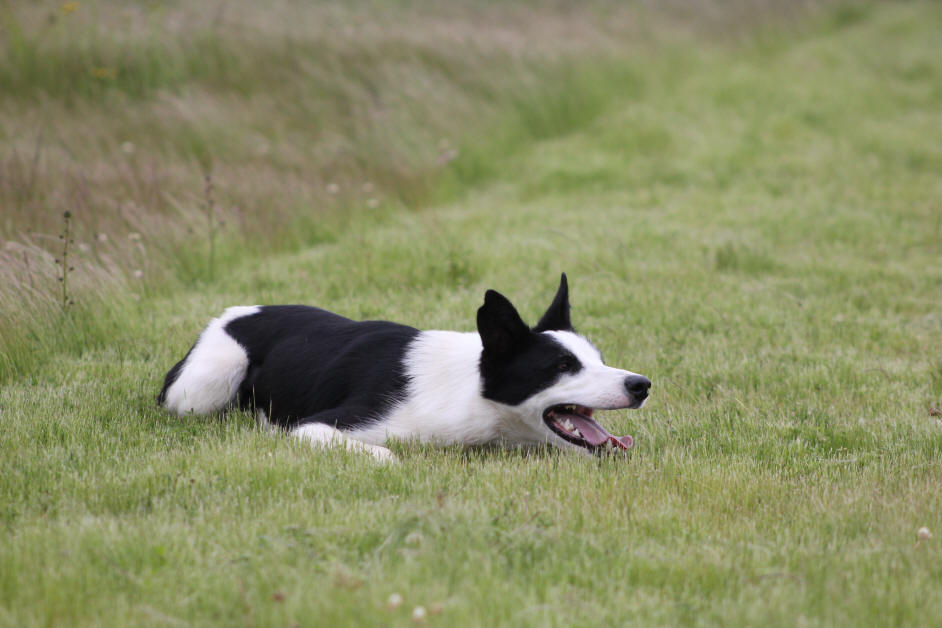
pixel 208 379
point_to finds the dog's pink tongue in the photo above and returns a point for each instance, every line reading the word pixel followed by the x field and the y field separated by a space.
pixel 595 434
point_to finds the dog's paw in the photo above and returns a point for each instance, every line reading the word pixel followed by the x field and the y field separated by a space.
pixel 382 454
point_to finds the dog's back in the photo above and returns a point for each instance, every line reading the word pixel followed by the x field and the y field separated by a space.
pixel 313 361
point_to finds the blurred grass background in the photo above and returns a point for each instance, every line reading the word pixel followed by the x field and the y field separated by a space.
pixel 299 113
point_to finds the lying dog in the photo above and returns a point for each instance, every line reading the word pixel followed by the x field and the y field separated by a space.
pixel 329 379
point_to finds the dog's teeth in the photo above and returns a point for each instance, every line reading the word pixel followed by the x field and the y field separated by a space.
pixel 568 425
pixel 577 432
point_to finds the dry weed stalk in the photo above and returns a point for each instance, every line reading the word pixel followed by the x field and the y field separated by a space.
pixel 63 262
pixel 212 224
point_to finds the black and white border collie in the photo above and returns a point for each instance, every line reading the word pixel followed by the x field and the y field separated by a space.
pixel 330 380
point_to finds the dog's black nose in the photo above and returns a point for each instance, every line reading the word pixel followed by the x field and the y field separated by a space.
pixel 637 386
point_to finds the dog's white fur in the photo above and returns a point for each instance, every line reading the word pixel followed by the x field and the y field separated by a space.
pixel 323 435
pixel 213 370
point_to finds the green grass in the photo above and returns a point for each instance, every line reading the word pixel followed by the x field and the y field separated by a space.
pixel 755 226
pixel 116 113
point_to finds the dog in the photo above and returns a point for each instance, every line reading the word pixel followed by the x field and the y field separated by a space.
pixel 331 380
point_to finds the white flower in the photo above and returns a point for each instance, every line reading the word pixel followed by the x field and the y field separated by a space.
pixel 447 156
pixel 418 614
pixel 394 601
pixel 924 534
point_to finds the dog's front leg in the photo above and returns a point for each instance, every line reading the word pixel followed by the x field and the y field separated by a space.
pixel 323 435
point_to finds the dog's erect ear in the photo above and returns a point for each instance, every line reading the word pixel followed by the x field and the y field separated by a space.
pixel 557 316
pixel 501 328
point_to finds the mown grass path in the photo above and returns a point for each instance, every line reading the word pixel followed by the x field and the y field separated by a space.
pixel 759 232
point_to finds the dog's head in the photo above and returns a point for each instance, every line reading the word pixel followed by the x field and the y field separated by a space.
pixel 550 378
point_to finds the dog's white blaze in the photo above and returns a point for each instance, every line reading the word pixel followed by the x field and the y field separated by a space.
pixel 594 386
pixel 443 403
pixel 214 369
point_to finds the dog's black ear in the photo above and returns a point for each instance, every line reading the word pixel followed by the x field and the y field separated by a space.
pixel 501 328
pixel 557 316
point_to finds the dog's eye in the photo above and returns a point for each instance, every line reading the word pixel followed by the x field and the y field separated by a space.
pixel 565 365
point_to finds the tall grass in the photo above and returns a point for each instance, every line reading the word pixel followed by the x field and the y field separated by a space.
pixel 301 113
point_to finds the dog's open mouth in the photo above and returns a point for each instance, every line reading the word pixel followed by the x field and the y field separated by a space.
pixel 574 423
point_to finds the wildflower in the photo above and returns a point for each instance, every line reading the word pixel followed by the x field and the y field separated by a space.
pixel 924 534
pixel 394 601
pixel 332 188
pixel 127 148
pixel 447 156
pixel 69 7
pixel 418 614
pixel 104 72
pixel 102 237
pixel 372 203
pixel 138 274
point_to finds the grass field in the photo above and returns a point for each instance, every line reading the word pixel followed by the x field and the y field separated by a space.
pixel 754 222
